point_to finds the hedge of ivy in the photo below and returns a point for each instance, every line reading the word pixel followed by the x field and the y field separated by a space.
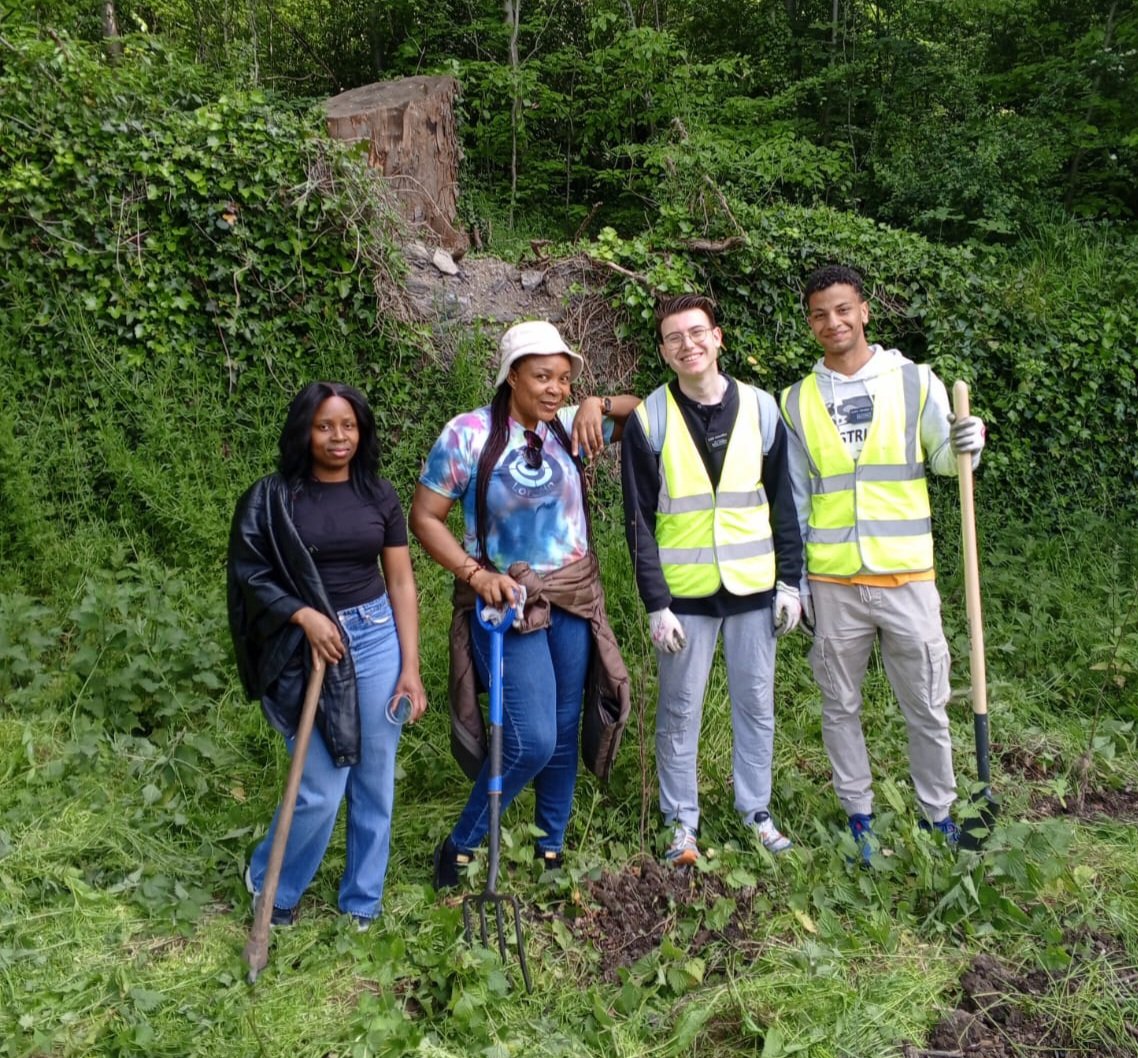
pixel 1049 354
pixel 176 261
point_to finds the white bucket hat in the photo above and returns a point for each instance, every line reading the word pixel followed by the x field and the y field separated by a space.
pixel 534 338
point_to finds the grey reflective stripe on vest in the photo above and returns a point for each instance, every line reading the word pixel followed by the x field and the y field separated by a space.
pixel 667 504
pixel 695 556
pixel 848 534
pixel 911 382
pixel 656 408
pixel 684 505
pixel 794 413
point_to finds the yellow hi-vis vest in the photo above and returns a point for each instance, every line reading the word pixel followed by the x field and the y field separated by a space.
pixel 873 515
pixel 707 536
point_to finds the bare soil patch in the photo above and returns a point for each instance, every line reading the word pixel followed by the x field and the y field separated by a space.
pixel 1027 762
pixel 493 293
pixel 1004 1013
pixel 1090 805
pixel 637 906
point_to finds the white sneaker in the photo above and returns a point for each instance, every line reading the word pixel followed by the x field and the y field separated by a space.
pixel 765 830
pixel 683 851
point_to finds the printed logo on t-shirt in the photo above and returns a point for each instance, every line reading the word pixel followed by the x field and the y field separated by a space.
pixel 853 417
pixel 715 441
pixel 530 482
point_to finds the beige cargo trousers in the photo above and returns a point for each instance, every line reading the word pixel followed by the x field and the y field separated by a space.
pixel 848 619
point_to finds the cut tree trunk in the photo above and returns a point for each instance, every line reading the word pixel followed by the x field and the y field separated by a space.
pixel 409 126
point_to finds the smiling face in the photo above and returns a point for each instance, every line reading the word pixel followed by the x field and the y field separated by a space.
pixel 689 344
pixel 837 316
pixel 335 436
pixel 540 386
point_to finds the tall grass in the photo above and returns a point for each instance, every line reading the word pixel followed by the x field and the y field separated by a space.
pixel 123 837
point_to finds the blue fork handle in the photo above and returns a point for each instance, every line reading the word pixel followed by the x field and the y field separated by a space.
pixel 494 780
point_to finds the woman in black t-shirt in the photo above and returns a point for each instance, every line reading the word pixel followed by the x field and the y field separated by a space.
pixel 319 567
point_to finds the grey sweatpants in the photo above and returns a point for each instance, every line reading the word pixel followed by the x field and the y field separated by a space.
pixel 748 649
pixel 848 619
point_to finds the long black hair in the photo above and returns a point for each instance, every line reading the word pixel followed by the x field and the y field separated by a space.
pixel 491 451
pixel 295 444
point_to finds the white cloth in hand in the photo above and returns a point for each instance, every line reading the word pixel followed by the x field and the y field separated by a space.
pixel 967 435
pixel 787 609
pixel 667 633
pixel 494 615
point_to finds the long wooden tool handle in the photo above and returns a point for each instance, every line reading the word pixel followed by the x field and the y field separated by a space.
pixel 257 948
pixel 960 406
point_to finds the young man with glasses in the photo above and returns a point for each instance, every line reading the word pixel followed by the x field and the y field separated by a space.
pixel 716 548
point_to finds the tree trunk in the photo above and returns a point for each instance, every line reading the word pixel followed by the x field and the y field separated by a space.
pixel 513 20
pixel 409 126
pixel 111 34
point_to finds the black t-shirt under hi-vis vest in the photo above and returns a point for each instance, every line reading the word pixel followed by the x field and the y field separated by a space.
pixel 345 533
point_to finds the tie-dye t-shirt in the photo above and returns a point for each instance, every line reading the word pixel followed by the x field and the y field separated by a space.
pixel 535 516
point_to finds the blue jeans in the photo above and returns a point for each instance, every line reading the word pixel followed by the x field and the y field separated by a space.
pixel 369 784
pixel 543 680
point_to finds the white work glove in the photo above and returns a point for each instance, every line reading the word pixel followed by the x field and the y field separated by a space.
pixel 787 609
pixel 807 601
pixel 966 435
pixel 667 635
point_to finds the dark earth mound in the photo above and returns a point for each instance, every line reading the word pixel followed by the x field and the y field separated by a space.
pixel 640 904
pixel 1005 1013
pixel 1090 805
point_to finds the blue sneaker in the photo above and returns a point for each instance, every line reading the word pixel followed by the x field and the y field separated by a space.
pixel 861 827
pixel 946 826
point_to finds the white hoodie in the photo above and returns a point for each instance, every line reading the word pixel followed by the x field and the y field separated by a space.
pixel 850 399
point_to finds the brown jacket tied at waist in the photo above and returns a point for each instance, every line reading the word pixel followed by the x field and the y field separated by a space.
pixel 577 590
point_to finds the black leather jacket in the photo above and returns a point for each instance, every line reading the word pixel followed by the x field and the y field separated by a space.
pixel 271 575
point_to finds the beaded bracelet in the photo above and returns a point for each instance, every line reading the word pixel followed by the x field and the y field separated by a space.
pixel 470 576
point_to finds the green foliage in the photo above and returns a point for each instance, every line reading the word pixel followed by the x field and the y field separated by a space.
pixel 180 225
pixel 1050 374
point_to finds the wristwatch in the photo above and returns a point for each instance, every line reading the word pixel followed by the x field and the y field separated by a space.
pixel 606 405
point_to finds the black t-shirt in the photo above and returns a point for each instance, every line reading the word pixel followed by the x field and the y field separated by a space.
pixel 345 533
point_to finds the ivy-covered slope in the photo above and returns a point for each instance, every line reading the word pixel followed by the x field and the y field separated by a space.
pixel 176 261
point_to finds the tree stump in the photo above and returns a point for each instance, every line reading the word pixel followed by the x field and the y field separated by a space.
pixel 409 126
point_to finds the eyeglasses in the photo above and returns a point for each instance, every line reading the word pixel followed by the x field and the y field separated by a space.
pixel 531 454
pixel 675 340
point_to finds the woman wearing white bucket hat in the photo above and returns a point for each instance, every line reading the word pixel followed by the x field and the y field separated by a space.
pixel 515 466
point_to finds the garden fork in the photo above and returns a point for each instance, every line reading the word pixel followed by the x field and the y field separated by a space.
pixel 490 897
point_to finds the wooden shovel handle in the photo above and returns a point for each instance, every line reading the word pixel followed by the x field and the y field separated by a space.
pixel 960 407
pixel 256 953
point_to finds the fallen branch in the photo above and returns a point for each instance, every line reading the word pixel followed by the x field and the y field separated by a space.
pixel 583 227
pixel 723 202
pixel 619 269
pixel 732 242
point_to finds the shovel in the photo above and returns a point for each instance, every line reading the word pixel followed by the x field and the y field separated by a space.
pixel 256 954
pixel 976 828
pixel 490 897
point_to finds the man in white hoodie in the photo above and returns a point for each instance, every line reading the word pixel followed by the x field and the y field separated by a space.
pixel 862 426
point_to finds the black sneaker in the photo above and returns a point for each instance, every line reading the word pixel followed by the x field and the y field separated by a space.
pixel 448 859
pixel 281 916
pixel 551 860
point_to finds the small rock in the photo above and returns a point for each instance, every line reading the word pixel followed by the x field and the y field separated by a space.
pixel 444 263
pixel 532 279
pixel 417 251
pixel 455 305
